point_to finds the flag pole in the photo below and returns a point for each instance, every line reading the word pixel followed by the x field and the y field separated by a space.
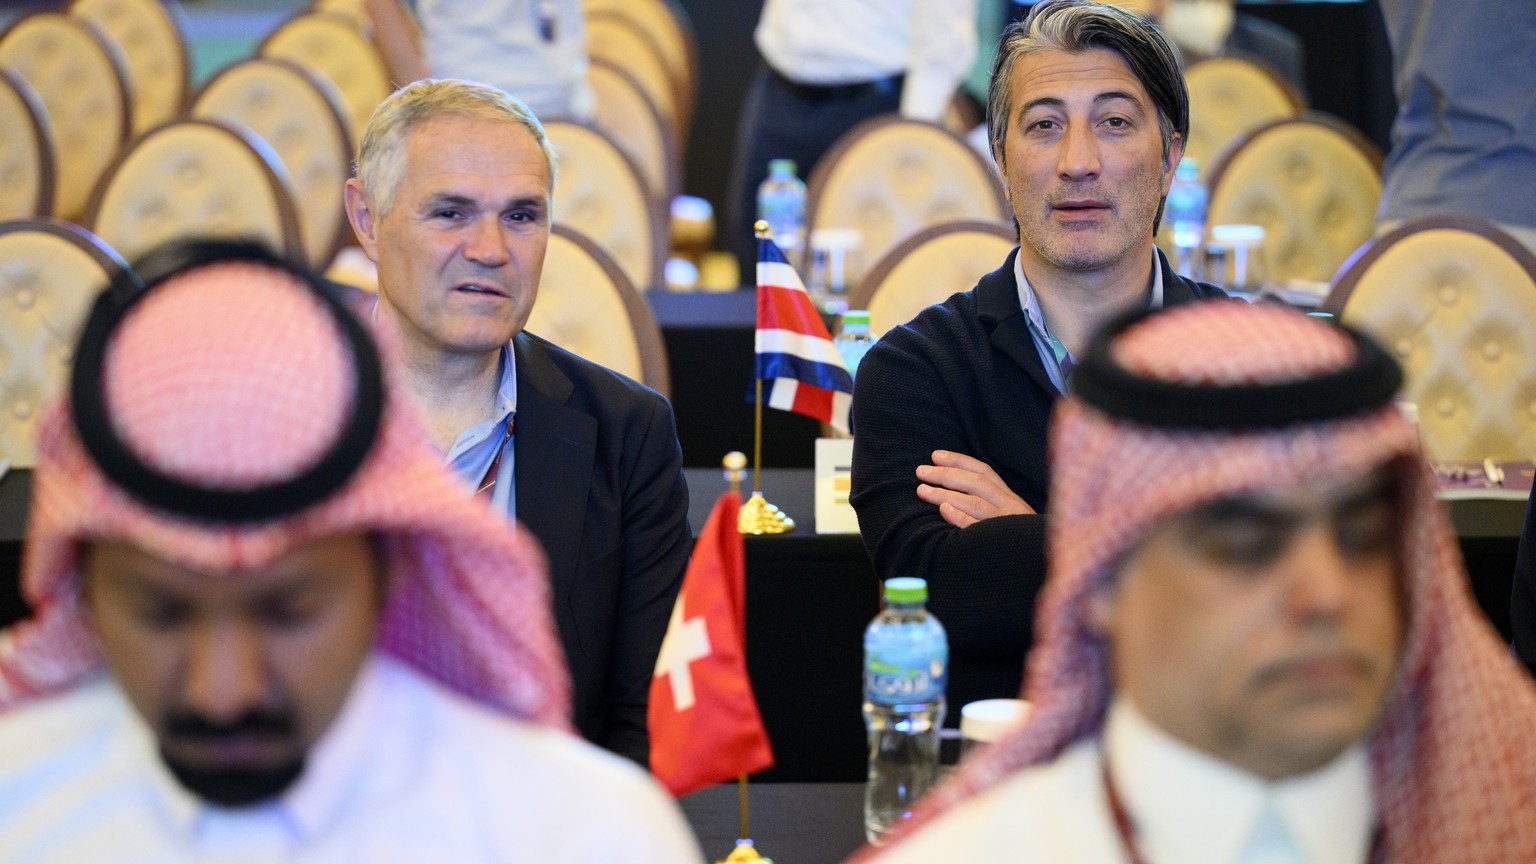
pixel 741 785
pixel 745 852
pixel 757 516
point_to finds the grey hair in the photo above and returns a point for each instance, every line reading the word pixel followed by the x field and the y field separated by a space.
pixel 1075 26
pixel 381 152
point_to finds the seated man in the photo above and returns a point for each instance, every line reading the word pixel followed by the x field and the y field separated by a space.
pixel 1087 118
pixel 1258 644
pixel 269 625
pixel 452 199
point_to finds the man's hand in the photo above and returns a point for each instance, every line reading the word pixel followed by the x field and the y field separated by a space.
pixel 966 490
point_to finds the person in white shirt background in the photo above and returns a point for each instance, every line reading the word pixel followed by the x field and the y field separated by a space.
pixel 827 66
pixel 1257 642
pixel 268 624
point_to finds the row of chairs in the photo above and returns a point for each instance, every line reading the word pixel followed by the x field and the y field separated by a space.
pixel 52 270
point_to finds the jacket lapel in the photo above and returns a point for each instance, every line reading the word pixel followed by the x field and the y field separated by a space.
pixel 554 447
pixel 997 305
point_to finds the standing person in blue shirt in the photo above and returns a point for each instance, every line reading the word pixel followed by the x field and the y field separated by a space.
pixel 452 200
pixel 1087 119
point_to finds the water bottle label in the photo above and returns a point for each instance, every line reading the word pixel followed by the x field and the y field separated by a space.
pixel 895 683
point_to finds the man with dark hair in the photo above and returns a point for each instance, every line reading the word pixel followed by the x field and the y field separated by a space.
pixel 269 624
pixel 1087 119
pixel 1257 642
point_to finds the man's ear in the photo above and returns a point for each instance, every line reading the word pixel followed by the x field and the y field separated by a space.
pixel 360 214
pixel 1175 153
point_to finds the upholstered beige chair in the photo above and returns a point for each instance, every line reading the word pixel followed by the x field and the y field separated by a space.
pixel 890 178
pixel 195 178
pixel 588 306
pixel 27 173
pixel 1311 182
pixel 614 37
pixel 79 77
pixel 670 30
pixel 928 267
pixel 50 273
pixel 1228 97
pixel 300 116
pixel 1453 298
pixel 599 191
pixel 148 34
pixel 330 46
pixel 631 119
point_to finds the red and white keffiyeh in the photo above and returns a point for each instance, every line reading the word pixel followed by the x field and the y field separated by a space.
pixel 234 374
pixel 1454 757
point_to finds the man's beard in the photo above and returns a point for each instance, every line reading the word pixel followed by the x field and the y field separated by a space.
pixel 233 786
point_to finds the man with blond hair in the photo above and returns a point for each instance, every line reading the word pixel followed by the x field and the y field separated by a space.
pixel 452 200
pixel 268 624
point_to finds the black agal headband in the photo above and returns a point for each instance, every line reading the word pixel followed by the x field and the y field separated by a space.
pixel 219 504
pixel 1368 383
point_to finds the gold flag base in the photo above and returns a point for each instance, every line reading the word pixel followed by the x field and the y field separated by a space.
pixel 757 516
pixel 744 853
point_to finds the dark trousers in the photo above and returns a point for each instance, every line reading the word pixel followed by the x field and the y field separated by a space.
pixel 785 120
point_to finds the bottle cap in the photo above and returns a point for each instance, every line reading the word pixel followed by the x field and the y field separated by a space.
pixel 856 316
pixel 906 589
pixel 989 720
pixel 782 166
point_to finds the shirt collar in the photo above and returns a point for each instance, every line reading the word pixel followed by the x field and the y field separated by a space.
pixel 1219 809
pixel 506 406
pixel 1031 304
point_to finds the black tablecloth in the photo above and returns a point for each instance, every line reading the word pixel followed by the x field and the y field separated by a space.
pixel 792 823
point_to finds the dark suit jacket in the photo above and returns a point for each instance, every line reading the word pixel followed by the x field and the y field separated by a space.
pixel 964 375
pixel 599 477
pixel 1522 602
pixel 1254 38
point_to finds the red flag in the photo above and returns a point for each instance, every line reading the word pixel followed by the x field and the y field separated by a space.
pixel 703 718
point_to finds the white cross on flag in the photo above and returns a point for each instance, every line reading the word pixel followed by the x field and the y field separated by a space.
pixel 702 716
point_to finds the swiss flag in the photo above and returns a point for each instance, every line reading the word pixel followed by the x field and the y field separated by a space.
pixel 703 718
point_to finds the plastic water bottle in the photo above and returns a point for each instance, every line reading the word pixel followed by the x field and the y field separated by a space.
pixel 853 339
pixel 1185 211
pixel 781 203
pixel 906 665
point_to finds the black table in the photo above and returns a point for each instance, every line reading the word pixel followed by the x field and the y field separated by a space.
pixel 792 823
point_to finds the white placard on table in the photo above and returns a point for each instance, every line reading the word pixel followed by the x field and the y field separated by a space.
pixel 834 470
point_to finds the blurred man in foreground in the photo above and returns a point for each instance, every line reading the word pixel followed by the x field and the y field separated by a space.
pixel 1088 117
pixel 269 625
pixel 1256 643
pixel 452 199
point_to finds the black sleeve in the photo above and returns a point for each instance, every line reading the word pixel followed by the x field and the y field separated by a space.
pixel 1522 603
pixel 983 579
pixel 657 543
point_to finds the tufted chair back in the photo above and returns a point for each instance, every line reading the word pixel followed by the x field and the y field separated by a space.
pixel 1228 97
pixel 50 273
pixel 631 120
pixel 148 34
pixel 599 190
pixel 27 173
pixel 613 36
pixel 1453 299
pixel 331 47
pixel 587 306
pixel 670 30
pixel 355 11
pixel 1312 182
pixel 300 116
pixel 928 267
pixel 890 177
pixel 78 75
pixel 195 178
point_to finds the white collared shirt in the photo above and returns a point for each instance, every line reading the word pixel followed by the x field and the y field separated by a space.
pixel 408 772
pixel 1042 334
pixel 1188 808
pixel 472 452
pixel 831 42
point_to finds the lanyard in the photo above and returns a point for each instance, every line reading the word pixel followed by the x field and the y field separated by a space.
pixel 488 482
